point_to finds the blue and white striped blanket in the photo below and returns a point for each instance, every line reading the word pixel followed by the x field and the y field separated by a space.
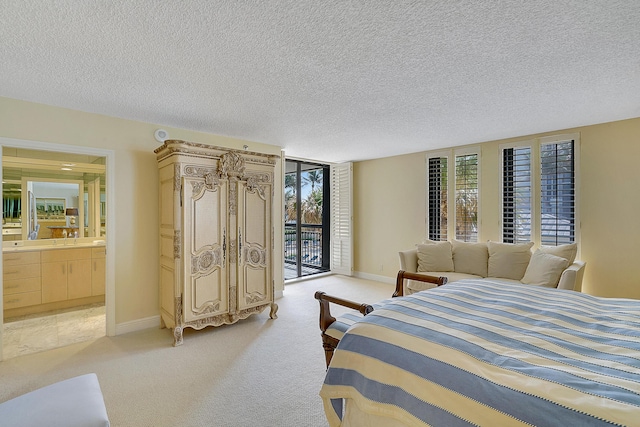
pixel 477 352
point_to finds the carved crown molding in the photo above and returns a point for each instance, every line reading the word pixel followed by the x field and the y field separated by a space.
pixel 194 149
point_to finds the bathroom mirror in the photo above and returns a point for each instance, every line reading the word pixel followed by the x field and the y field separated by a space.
pixel 47 193
pixel 58 212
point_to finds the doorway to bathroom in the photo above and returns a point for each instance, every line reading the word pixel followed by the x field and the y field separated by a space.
pixel 54 266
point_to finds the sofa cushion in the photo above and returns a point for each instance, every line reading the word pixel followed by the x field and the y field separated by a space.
pixel 435 257
pixel 508 260
pixel 544 269
pixel 470 258
pixel 567 252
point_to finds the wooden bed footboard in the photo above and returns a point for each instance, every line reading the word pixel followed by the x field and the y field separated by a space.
pixel 330 343
pixel 402 275
pixel 326 319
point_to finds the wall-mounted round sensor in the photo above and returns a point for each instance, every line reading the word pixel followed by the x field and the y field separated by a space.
pixel 161 135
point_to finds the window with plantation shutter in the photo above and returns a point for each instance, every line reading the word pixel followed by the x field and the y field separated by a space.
pixel 557 193
pixel 466 225
pixel 516 195
pixel 539 192
pixel 437 198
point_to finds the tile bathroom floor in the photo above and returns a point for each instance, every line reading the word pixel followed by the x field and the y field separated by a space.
pixel 38 332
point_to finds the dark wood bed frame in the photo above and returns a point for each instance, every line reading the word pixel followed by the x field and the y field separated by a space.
pixel 326 319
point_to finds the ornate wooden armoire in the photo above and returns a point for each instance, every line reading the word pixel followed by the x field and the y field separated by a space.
pixel 216 235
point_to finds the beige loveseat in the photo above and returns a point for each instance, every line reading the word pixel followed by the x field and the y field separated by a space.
pixel 549 266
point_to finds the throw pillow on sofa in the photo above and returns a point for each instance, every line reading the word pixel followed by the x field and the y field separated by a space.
pixel 470 258
pixel 508 260
pixel 544 269
pixel 435 256
pixel 567 251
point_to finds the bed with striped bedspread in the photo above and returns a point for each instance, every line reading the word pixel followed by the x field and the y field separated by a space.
pixel 479 352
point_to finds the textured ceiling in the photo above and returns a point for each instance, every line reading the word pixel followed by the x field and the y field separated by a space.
pixel 331 80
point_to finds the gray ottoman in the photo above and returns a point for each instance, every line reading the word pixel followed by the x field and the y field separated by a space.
pixel 76 402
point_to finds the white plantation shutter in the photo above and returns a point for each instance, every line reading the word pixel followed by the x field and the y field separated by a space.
pixel 557 193
pixel 437 197
pixel 341 219
pixel 516 194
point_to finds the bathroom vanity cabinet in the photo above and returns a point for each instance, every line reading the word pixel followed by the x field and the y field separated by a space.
pixel 68 273
pixel 216 235
pixel 22 283
pixel 49 278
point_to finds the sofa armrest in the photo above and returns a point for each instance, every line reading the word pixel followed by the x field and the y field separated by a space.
pixel 409 260
pixel 571 278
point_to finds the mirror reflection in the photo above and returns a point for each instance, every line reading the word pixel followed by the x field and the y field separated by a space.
pixel 49 195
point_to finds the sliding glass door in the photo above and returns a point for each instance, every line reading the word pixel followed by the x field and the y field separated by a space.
pixel 306 212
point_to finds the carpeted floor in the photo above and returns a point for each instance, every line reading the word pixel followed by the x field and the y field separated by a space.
pixel 255 372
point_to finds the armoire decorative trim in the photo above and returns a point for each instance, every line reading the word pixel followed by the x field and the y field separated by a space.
pixel 177 244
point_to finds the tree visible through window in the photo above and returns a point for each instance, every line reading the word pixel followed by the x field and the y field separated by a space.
pixel 307 219
pixel 467 198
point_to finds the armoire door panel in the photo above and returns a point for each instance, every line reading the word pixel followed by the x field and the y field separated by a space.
pixel 254 268
pixel 208 297
pixel 206 218
pixel 256 284
pixel 204 230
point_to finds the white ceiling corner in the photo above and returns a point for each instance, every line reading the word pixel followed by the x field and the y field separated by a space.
pixel 331 80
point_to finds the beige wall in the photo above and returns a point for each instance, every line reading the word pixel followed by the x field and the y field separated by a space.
pixel 136 187
pixel 390 207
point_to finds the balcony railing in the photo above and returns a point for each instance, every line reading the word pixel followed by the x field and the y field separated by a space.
pixel 310 245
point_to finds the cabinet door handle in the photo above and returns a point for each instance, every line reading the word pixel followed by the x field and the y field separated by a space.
pixel 239 245
pixel 224 245
pixel 70 268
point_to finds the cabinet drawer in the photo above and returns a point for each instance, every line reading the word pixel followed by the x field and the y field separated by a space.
pixel 22 300
pixel 66 254
pixel 98 252
pixel 13 272
pixel 20 258
pixel 18 286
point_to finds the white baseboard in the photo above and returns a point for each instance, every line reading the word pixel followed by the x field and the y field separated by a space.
pixel 138 325
pixel 154 321
pixel 374 277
